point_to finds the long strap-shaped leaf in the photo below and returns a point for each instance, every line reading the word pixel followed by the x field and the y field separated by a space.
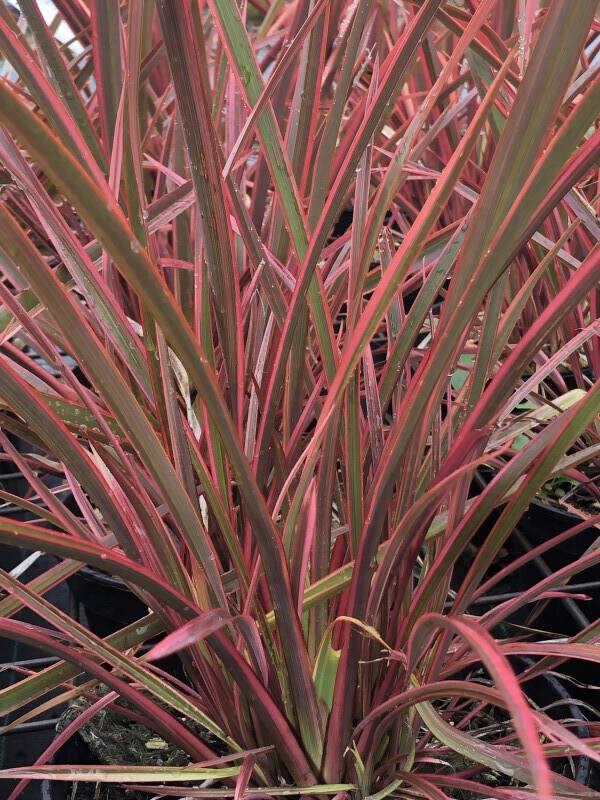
pixel 76 259
pixel 553 35
pixel 546 78
pixel 243 61
pixel 395 65
pixel 104 652
pixel 499 668
pixel 116 236
pixel 377 305
pixel 16 247
pixel 503 760
pixel 118 774
pixel 36 685
pixel 275 724
pixel 43 93
pixel 106 53
pixel 61 75
pixel 164 723
pixel 187 59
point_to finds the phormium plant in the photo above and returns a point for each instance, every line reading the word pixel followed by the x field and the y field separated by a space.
pixel 280 280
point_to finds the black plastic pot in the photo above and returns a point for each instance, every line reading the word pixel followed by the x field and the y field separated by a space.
pixel 566 615
pixel 22 746
pixel 547 690
pixel 563 616
pixel 542 522
pixel 20 749
pixel 106 602
pixel 11 480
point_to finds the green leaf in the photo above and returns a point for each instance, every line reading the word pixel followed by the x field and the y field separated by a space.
pixel 116 774
pixel 325 669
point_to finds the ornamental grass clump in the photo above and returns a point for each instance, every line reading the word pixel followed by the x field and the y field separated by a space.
pixel 281 281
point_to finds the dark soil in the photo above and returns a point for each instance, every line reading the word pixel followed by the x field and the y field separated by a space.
pixel 115 739
pixel 112 738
